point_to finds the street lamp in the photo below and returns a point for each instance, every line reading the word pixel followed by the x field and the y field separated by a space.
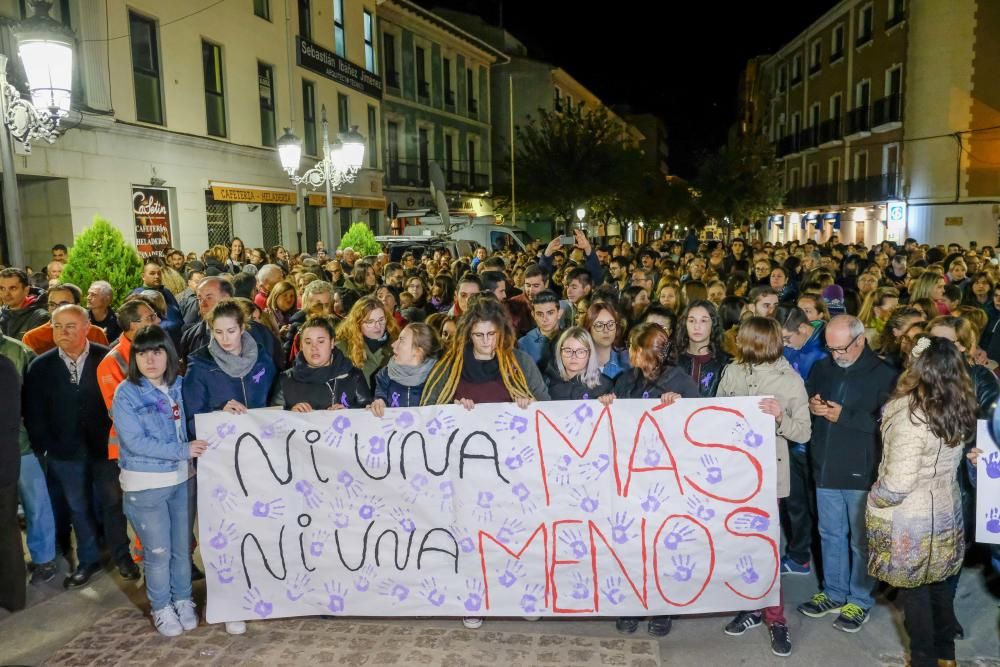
pixel 340 164
pixel 45 49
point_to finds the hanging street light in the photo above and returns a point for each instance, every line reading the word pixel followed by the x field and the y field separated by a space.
pixel 340 164
pixel 45 49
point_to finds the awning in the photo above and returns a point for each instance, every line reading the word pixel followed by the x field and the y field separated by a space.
pixel 252 194
pixel 348 201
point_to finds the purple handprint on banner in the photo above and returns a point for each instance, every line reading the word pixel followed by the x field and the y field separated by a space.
pixel 336 597
pixel 700 507
pixel 370 506
pixel 440 423
pixel 574 422
pixel 530 598
pixel 593 470
pixel 745 567
pixel 273 428
pixel 612 590
pixel 224 570
pixel 432 592
pixel 677 536
pixel 447 492
pixel 318 542
pixel 508 530
pixel 393 589
pixel 364 580
pixel 560 471
pixel 508 422
pixel 653 456
pixel 523 495
pixel 464 539
pixel 518 458
pixel 654 498
pixel 585 501
pixel 683 567
pixel 299 587
pixel 712 472
pixel 483 510
pixel 993 521
pixel 335 433
pixel 352 486
pixel 620 528
pixel 417 488
pixel 744 433
pixel 993 465
pixel 752 522
pixel 223 535
pixel 310 495
pixel 224 499
pixel 341 513
pixel 402 518
pixel 272 509
pixel 574 540
pixel 376 457
pixel 255 602
pixel 473 600
pixel 405 420
pixel 513 571
pixel 581 587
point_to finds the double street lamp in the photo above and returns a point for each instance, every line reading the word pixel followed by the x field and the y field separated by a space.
pixel 340 164
pixel 45 49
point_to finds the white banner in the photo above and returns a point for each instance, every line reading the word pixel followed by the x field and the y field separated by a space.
pixel 566 508
pixel 987 488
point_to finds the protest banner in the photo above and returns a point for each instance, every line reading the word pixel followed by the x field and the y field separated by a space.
pixel 987 488
pixel 566 508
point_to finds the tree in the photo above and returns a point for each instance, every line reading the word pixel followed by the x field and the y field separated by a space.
pixel 573 158
pixel 100 253
pixel 741 181
pixel 360 238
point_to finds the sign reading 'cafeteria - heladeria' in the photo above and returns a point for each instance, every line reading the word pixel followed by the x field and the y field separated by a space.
pixel 314 57
pixel 566 508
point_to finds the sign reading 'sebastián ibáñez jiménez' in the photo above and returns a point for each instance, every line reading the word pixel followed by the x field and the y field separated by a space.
pixel 329 64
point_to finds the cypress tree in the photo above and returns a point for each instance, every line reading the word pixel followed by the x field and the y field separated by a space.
pixel 360 238
pixel 101 253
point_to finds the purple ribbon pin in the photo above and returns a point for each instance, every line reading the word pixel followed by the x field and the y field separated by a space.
pixel 394 402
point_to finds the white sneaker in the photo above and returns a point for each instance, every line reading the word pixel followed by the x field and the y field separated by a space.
pixel 532 618
pixel 236 627
pixel 187 613
pixel 472 622
pixel 166 622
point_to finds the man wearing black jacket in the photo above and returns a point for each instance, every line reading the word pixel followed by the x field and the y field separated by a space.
pixel 12 587
pixel 846 393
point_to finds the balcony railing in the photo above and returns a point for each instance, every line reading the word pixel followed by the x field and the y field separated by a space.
pixel 392 79
pixel 825 194
pixel 863 38
pixel 888 110
pixel 815 67
pixel 859 120
pixel 872 188
pixel 809 138
pixel 407 173
pixel 831 130
pixel 836 55
pixel 787 145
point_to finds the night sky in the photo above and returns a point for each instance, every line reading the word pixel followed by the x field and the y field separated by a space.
pixel 683 65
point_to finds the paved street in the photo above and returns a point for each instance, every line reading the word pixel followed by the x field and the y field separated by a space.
pixel 108 611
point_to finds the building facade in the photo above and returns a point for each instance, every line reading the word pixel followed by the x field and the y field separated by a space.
pixel 884 124
pixel 182 103
pixel 436 109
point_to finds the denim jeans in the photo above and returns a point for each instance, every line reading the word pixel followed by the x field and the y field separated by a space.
pixel 73 480
pixel 844 540
pixel 162 520
pixel 34 493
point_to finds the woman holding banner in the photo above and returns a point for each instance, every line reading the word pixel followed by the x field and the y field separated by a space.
pixel 760 369
pixel 481 365
pixel 366 336
pixel 576 375
pixel 156 476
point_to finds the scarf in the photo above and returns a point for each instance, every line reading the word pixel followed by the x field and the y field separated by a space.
pixel 478 371
pixel 376 344
pixel 235 365
pixel 410 376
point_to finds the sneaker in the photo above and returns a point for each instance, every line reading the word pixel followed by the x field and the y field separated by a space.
pixel 781 645
pixel 187 613
pixel 627 624
pixel 789 566
pixel 659 626
pixel 236 627
pixel 743 622
pixel 44 572
pixel 166 622
pixel 851 618
pixel 532 618
pixel 820 605
pixel 472 622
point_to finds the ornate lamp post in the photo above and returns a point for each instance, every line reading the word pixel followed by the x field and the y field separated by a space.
pixel 45 48
pixel 340 164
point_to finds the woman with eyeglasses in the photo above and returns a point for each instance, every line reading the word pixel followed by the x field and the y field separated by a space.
pixel 576 374
pixel 603 324
pixel 366 336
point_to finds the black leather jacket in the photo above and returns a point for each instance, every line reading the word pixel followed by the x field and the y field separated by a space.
pixel 575 390
pixel 711 372
pixel 322 387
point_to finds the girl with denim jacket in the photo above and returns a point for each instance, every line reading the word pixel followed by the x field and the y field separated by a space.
pixel 156 475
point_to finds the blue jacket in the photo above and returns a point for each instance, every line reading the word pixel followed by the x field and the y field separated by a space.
pixel 395 394
pixel 207 388
pixel 802 360
pixel 617 363
pixel 174 319
pixel 147 432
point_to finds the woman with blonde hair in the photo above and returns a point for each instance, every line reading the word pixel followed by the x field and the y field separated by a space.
pixel 282 304
pixel 875 310
pixel 930 285
pixel 889 342
pixel 366 336
pixel 670 295
pixel 576 374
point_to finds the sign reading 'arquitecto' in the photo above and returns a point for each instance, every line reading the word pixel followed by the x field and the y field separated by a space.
pixel 329 64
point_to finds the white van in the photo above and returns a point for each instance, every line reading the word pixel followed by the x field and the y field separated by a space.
pixel 483 229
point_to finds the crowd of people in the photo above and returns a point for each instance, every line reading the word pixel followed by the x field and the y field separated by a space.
pixel 878 362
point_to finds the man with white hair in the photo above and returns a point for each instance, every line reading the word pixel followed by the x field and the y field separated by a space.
pixel 846 393
pixel 99 299
pixel 348 260
pixel 268 276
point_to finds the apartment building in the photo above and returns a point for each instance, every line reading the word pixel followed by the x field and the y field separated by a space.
pixel 436 108
pixel 883 123
pixel 182 103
